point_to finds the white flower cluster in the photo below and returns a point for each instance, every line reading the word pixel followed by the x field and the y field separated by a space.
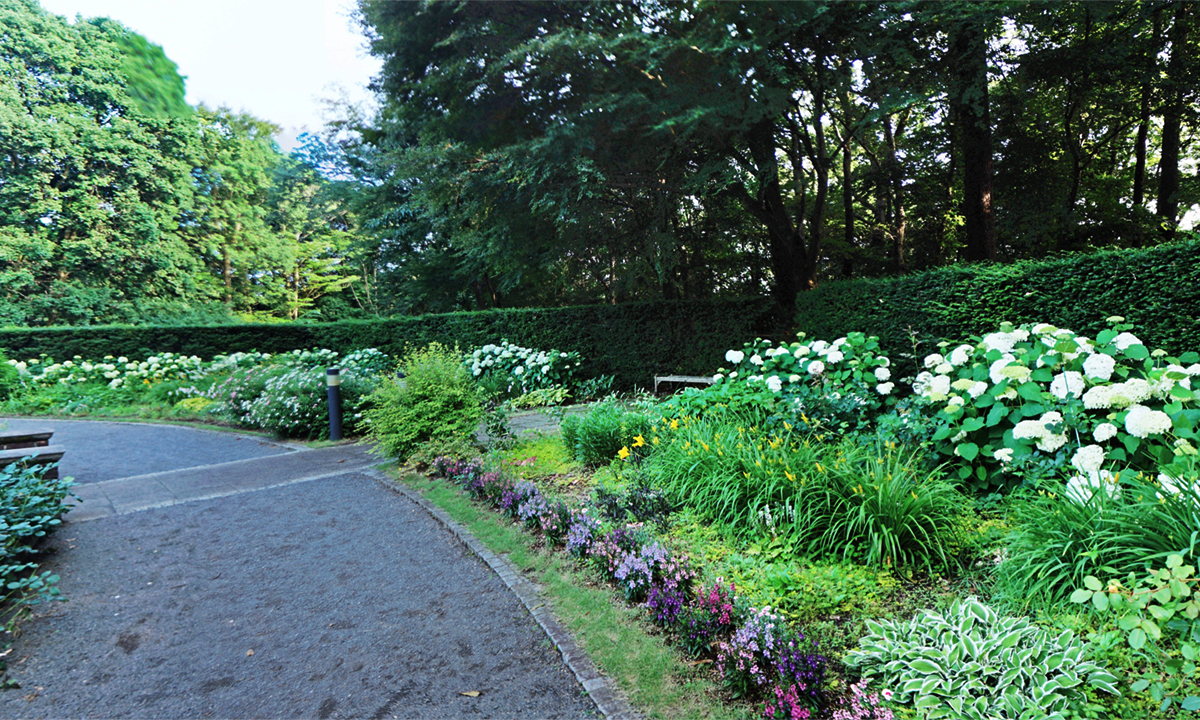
pixel 525 368
pixel 114 371
pixel 809 362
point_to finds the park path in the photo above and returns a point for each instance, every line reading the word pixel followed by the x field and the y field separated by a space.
pixel 283 582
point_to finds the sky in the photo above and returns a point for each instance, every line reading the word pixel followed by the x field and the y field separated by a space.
pixel 275 59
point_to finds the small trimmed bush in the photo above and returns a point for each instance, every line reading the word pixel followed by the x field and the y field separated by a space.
pixel 436 399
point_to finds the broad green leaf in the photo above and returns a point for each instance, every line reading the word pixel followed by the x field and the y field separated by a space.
pixel 1091 582
pixel 1137 352
pixel 967 451
pixel 1137 638
pixel 1081 595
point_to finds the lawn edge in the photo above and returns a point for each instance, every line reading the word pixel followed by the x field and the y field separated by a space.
pixel 608 699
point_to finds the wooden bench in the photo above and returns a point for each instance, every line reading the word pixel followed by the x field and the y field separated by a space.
pixel 681 380
pixel 25 457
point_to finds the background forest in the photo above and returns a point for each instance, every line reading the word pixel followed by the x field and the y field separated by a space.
pixel 555 153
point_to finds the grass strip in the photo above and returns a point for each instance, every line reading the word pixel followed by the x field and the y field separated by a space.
pixel 652 675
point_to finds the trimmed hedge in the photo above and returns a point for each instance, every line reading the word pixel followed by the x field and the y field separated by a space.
pixel 633 341
pixel 1157 290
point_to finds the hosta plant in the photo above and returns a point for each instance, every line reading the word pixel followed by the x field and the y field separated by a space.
pixel 970 663
pixel 1038 402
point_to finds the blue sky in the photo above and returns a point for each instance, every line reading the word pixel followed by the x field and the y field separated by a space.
pixel 275 59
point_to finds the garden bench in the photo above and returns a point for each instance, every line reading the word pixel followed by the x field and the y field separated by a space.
pixel 681 380
pixel 25 457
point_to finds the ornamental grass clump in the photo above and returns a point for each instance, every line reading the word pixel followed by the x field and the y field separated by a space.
pixel 599 436
pixel 1039 402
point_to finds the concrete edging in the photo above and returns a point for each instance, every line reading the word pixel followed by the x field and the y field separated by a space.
pixel 611 704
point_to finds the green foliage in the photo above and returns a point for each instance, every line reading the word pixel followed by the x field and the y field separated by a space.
pixel 520 370
pixel 632 342
pixel 750 403
pixel 912 314
pixel 1058 540
pixel 597 437
pixel 540 398
pixel 971 663
pixel 1167 598
pixel 434 400
pixel 879 505
pixel 821 590
pixel 10 380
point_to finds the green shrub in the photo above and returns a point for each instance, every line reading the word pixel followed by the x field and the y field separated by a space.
pixel 10 378
pixel 597 437
pixel 971 663
pixel 878 505
pixel 436 399
pixel 31 506
pixel 911 314
pixel 631 342
pixel 825 589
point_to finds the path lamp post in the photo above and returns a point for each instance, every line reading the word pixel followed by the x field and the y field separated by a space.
pixel 333 383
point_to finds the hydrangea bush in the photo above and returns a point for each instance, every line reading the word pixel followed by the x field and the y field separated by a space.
pixel 1038 401
pixel 517 370
pixel 845 382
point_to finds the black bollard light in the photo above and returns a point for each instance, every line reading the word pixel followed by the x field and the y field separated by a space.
pixel 333 383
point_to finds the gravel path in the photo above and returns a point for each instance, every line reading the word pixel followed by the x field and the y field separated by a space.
pixel 97 450
pixel 332 597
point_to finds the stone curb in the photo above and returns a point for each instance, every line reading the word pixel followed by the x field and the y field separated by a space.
pixel 611 704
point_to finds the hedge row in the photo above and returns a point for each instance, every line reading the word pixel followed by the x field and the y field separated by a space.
pixel 633 341
pixel 1156 289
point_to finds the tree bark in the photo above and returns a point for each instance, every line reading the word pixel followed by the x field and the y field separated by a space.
pixel 973 118
pixel 1143 131
pixel 1167 205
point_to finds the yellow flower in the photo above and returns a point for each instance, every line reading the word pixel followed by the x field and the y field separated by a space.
pixel 674 424
pixel 655 439
pixel 705 445
pixel 789 476
pixel 819 468
pixel 786 426
pixel 623 453
pixel 638 441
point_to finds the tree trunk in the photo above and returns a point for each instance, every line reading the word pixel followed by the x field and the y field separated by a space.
pixel 895 178
pixel 1167 205
pixel 227 274
pixel 1143 131
pixel 973 118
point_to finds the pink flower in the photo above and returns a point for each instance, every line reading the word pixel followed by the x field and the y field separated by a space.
pixel 887 694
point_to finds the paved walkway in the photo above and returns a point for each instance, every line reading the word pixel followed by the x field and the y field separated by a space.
pixel 291 585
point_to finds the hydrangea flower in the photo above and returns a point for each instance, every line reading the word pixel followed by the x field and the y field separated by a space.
pixel 1099 366
pixel 1067 384
pixel 1104 431
pixel 1143 422
pixel 735 356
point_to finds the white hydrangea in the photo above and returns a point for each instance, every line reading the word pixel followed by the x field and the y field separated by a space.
pixel 1125 340
pixel 884 388
pixel 819 347
pixel 801 352
pixel 1104 432
pixel 735 356
pixel 960 355
pixel 1021 334
pixel 793 378
pixel 977 389
pixel 932 361
pixel 834 356
pixel 1099 366
pixel 755 359
pixel 1039 431
pixel 1002 341
pixel 1004 455
pixel 816 367
pixel 1044 329
pixel 882 374
pixel 1143 422
pixel 921 383
pixel 944 369
pixel 1016 372
pixel 996 368
pixel 1099 397
pixel 1088 459
pixel 1131 392
pixel 939 386
pixel 1067 384
pixel 774 384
